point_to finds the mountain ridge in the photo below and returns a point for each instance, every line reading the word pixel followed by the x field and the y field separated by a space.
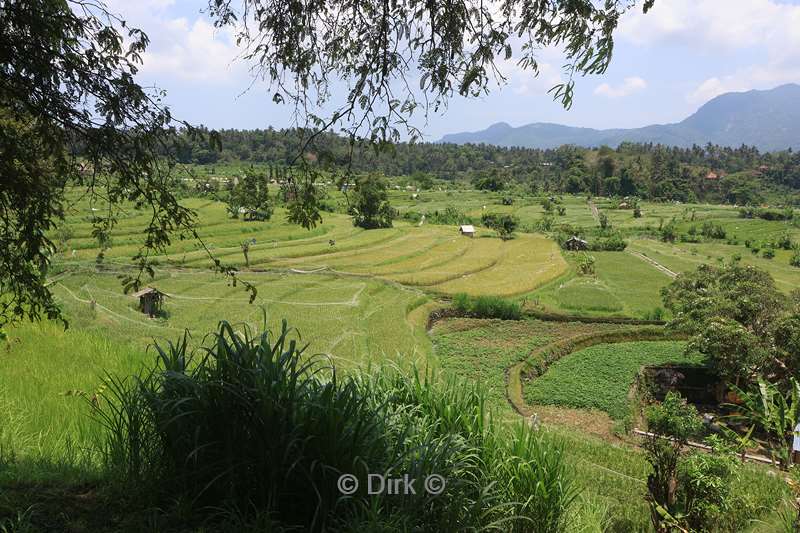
pixel 768 119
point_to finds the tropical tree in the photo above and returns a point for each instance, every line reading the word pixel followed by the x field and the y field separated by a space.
pixel 503 223
pixel 738 318
pixel 369 203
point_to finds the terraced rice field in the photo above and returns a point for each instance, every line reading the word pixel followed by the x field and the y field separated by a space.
pixel 355 320
pixel 434 258
pixel 623 285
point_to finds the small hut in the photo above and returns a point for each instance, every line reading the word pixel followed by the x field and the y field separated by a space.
pixel 467 230
pixel 150 300
pixel 574 244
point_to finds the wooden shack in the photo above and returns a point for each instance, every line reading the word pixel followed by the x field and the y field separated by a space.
pixel 467 230
pixel 150 300
pixel 574 243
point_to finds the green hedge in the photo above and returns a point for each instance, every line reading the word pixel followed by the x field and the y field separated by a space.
pixel 487 307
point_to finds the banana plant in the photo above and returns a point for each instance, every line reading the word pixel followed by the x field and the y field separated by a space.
pixel 776 413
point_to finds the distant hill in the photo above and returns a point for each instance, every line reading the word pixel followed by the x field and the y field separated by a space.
pixel 769 120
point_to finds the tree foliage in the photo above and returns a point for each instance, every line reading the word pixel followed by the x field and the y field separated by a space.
pixel 503 223
pixel 251 195
pixel 369 203
pixel 67 86
pixel 739 319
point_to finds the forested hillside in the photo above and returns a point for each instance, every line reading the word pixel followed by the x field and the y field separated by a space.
pixel 710 173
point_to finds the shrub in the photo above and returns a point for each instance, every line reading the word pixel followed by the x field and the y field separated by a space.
pixel 795 259
pixel 767 214
pixel 656 314
pixel 678 421
pixel 769 253
pixel 669 232
pixel 503 224
pixel 713 231
pixel 705 480
pixel 449 216
pixel 586 265
pixel 258 430
pixel 615 243
pixel 487 307
pixel 784 242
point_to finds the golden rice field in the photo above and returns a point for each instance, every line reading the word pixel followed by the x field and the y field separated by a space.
pixel 434 258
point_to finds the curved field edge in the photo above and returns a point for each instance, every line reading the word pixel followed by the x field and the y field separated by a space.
pixel 603 377
pixel 539 360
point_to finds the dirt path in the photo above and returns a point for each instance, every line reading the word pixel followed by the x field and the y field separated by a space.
pixel 655 263
pixel 595 212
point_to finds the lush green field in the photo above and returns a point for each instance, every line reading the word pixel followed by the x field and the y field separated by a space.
pixel 612 477
pixel 47 376
pixel 362 298
pixel 354 320
pixel 623 285
pixel 601 376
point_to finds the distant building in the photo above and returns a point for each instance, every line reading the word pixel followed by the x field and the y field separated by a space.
pixel 574 244
pixel 150 300
pixel 467 230
pixel 712 175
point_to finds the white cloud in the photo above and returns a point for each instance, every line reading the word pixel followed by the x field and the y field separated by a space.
pixel 729 24
pixel 627 87
pixel 766 29
pixel 758 77
pixel 183 49
pixel 195 52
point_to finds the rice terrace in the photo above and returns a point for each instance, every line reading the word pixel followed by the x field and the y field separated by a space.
pixel 337 325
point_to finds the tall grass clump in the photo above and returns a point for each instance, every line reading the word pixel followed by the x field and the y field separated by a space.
pixel 487 307
pixel 251 427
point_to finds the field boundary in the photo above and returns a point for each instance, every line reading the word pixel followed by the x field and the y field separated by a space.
pixel 552 316
pixel 537 362
pixel 655 264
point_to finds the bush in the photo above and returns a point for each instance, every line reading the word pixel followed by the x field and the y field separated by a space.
pixel 503 224
pixel 705 488
pixel 656 314
pixel 449 216
pixel 669 232
pixel 784 242
pixel 586 265
pixel 615 243
pixel 766 214
pixel 678 421
pixel 258 430
pixel 769 253
pixel 713 231
pixel 795 259
pixel 487 307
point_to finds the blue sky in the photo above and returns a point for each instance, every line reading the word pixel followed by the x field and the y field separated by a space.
pixel 666 64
